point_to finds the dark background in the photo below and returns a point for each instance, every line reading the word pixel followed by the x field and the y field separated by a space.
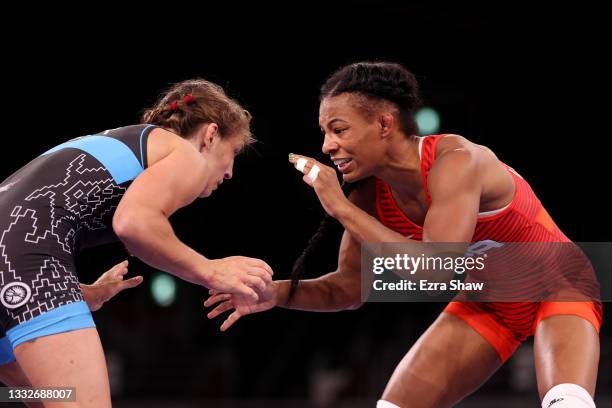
pixel 531 84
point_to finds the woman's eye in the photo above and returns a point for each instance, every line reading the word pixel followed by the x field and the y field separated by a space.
pixel 338 131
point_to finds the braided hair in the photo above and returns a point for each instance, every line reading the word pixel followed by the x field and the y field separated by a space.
pixel 189 104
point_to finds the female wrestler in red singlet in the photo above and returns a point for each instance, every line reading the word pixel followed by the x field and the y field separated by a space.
pixel 439 188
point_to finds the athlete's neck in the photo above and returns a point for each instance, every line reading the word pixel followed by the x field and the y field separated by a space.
pixel 401 168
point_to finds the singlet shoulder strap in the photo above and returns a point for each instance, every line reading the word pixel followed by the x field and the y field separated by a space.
pixel 427 154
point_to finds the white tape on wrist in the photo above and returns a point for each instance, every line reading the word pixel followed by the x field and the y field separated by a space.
pixel 300 164
pixel 314 173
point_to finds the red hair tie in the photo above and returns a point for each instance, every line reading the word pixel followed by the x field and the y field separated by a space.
pixel 174 106
pixel 189 99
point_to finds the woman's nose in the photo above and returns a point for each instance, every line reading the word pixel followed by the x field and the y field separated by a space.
pixel 329 145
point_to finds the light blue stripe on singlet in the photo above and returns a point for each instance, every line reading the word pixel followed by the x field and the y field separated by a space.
pixel 73 316
pixel 115 155
pixel 6 351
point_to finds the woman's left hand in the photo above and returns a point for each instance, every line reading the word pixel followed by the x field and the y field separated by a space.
pixel 324 180
pixel 108 285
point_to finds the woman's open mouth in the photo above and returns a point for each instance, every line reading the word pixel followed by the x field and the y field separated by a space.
pixel 342 164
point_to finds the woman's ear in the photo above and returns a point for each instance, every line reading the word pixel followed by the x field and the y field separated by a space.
pixel 386 122
pixel 208 134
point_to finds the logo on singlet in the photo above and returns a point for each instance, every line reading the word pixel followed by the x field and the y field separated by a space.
pixel 15 294
pixel 480 247
pixel 555 401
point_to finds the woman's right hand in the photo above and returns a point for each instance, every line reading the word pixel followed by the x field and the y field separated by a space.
pixel 238 275
pixel 241 305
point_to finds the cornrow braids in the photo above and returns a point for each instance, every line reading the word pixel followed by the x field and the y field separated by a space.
pixel 325 228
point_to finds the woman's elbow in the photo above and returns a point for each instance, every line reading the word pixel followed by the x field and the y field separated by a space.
pixel 125 225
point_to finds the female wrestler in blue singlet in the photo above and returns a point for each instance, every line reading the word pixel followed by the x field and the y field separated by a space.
pixel 122 183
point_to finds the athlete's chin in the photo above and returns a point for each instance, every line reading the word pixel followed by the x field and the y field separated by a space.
pixel 348 178
pixel 353 176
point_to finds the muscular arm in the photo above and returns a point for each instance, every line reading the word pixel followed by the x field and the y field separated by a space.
pixel 141 219
pixel 338 290
pixel 341 289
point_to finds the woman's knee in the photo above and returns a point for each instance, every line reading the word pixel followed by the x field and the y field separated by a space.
pixel 566 351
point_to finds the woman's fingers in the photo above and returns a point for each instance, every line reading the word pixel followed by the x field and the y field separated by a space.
pixel 260 273
pixel 233 318
pixel 262 264
pixel 246 291
pixel 308 166
pixel 214 299
pixel 223 307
